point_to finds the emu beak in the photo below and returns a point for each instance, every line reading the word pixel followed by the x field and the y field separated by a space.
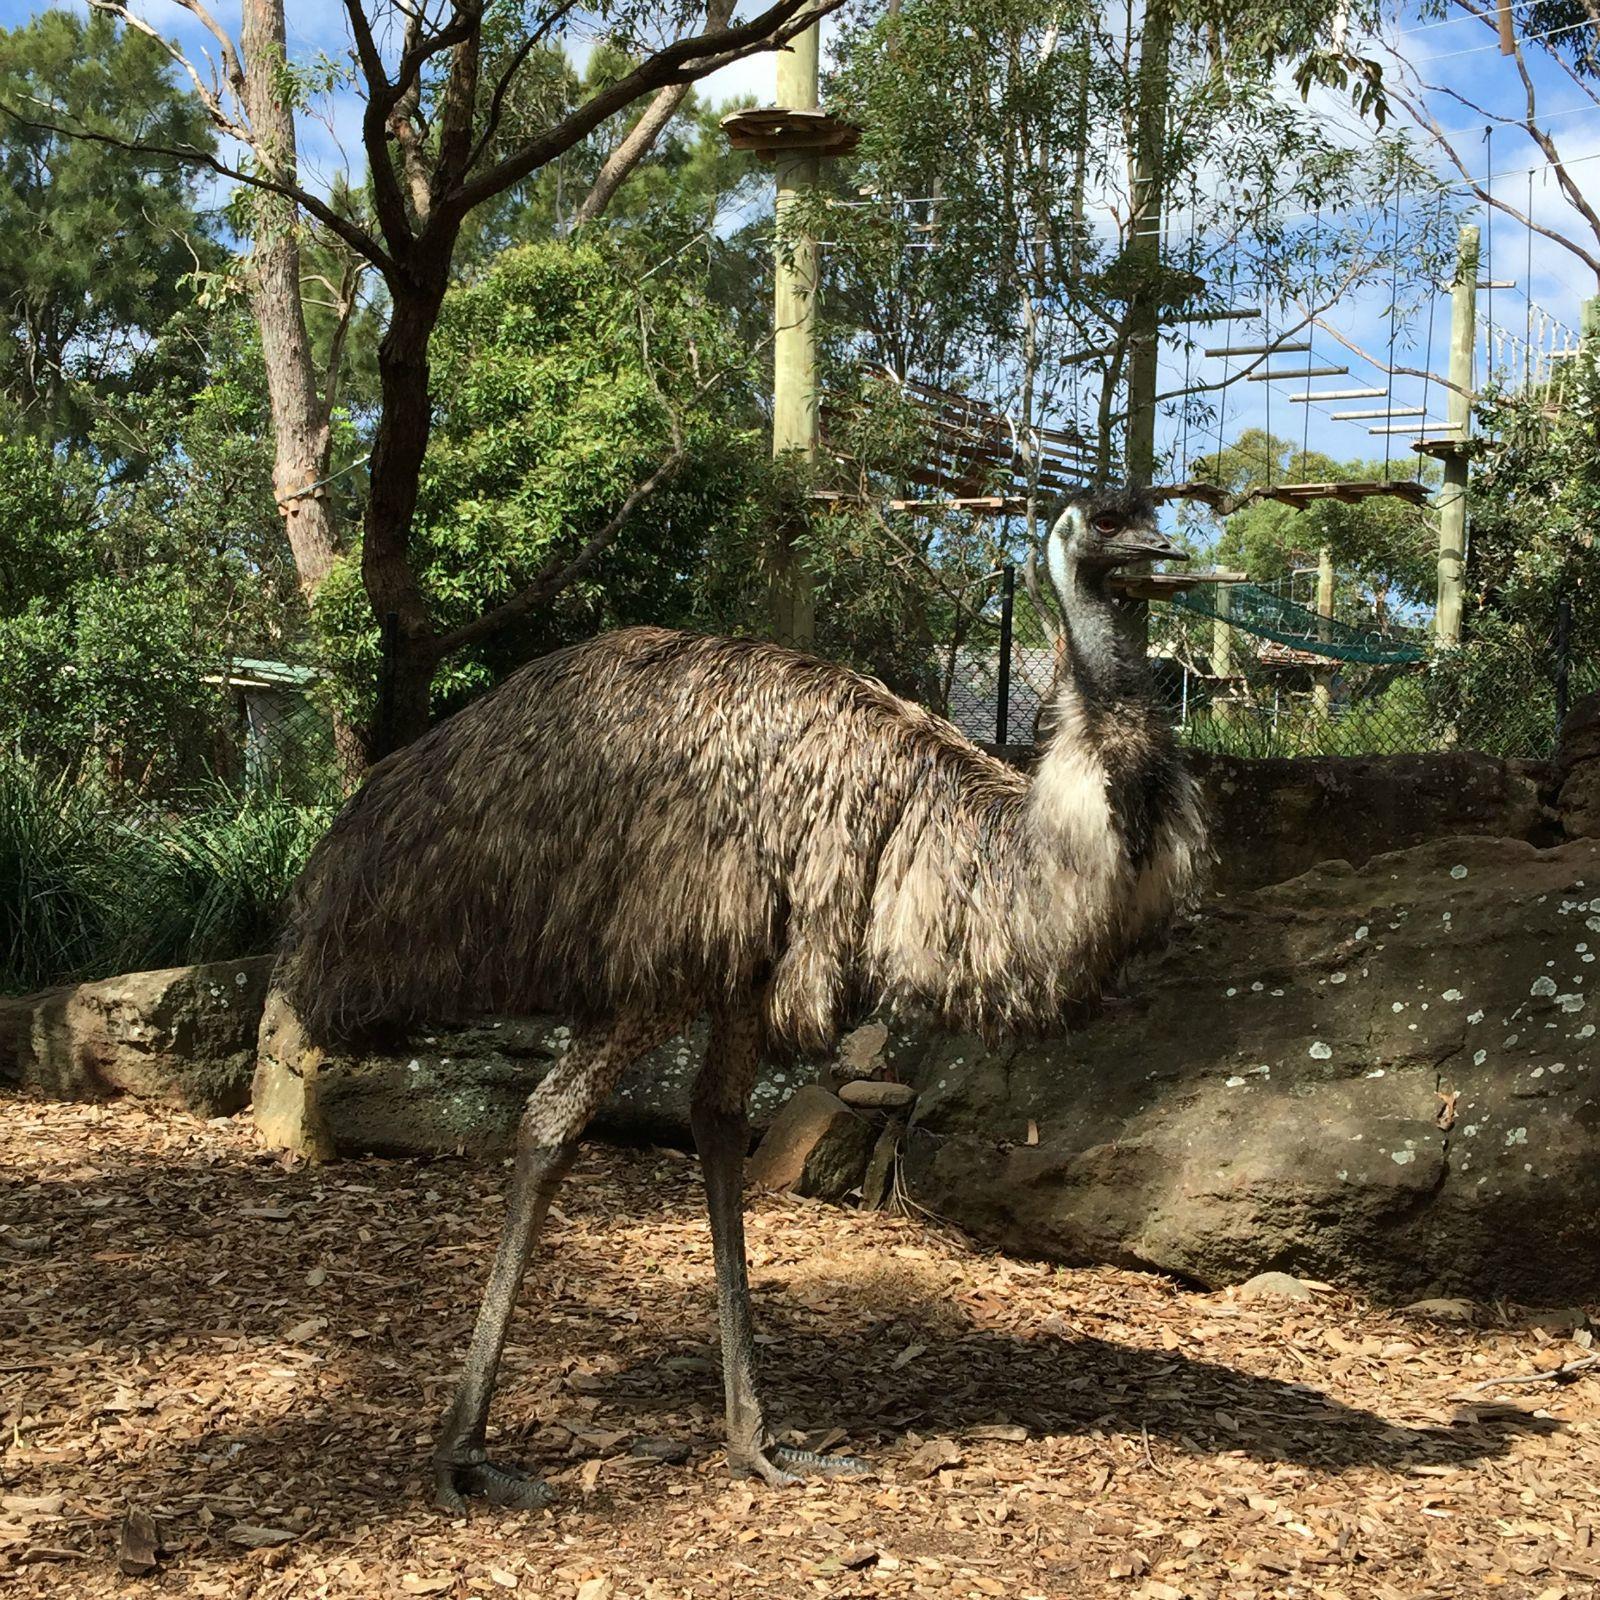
pixel 1143 544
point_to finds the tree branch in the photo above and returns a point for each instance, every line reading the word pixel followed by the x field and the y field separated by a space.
pixel 491 121
pixel 640 139
pixel 210 96
pixel 356 237
pixel 680 62
pixel 1430 126
pixel 382 99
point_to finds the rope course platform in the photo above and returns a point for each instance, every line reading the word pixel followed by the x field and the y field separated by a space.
pixel 1165 585
pixel 780 130
pixel 1295 495
pixel 979 459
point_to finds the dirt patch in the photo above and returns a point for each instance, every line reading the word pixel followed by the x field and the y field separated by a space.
pixel 255 1355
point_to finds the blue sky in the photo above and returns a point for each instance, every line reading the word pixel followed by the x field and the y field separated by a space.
pixel 1457 53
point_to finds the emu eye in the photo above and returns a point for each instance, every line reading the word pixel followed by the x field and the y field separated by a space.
pixel 1106 524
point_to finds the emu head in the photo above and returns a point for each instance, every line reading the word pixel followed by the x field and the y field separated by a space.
pixel 1101 529
pixel 1097 530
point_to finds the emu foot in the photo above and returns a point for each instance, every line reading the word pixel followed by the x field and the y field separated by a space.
pixel 454 1480
pixel 809 1464
pixel 782 1465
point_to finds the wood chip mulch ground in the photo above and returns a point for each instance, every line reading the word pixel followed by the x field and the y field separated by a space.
pixel 223 1373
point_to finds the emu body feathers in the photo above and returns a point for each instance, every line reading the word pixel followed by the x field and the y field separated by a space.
pixel 655 817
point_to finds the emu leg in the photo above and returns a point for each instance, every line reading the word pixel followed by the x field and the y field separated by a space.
pixel 547 1140
pixel 722 1135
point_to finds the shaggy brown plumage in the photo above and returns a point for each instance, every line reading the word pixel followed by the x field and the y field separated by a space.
pixel 656 817
pixel 655 823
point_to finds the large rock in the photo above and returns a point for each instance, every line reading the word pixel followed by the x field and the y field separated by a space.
pixel 816 1146
pixel 1382 1077
pixel 1274 819
pixel 1578 765
pixel 184 1035
pixel 462 1089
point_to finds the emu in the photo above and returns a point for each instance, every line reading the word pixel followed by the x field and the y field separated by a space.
pixel 656 824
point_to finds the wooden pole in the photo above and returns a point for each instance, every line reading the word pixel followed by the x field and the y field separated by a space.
pixel 794 356
pixel 1458 412
pixel 1148 184
pixel 1323 692
pixel 1222 656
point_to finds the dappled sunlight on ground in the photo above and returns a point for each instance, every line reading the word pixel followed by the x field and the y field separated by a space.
pixel 256 1355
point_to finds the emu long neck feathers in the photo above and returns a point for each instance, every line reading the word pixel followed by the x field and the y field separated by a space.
pixel 1099 662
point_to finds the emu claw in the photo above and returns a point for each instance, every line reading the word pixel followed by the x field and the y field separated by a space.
pixel 782 1466
pixel 500 1486
pixel 809 1462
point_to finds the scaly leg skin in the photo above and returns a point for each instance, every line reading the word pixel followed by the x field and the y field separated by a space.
pixel 721 1135
pixel 547 1141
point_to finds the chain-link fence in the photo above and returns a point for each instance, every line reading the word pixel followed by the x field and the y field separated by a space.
pixel 1244 677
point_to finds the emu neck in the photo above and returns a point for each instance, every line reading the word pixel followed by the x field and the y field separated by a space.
pixel 1099 665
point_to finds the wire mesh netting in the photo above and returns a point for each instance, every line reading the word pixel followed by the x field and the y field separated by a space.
pixel 1246 673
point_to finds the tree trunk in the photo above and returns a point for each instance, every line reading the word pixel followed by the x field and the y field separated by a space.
pixel 640 139
pixel 301 435
pixel 397 456
pixel 301 427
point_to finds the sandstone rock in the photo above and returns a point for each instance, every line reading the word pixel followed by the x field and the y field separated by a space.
pixel 877 1187
pixel 1271 1097
pixel 871 1095
pixel 816 1146
pixel 1579 801
pixel 1578 762
pixel 463 1089
pixel 861 1051
pixel 1274 1286
pixel 185 1036
pixel 1274 819
pixel 1580 733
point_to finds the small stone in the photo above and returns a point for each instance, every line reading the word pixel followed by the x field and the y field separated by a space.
pixel 1441 1310
pixel 255 1537
pixel 870 1094
pixel 1273 1286
pixel 861 1052
pixel 817 1146
pixel 138 1545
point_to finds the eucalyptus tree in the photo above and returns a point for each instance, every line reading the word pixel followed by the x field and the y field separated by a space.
pixel 96 244
pixel 1043 191
pixel 436 82
pixel 1507 65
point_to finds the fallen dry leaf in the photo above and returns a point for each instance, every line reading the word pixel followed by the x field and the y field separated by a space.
pixel 138 1543
pixel 1103 1420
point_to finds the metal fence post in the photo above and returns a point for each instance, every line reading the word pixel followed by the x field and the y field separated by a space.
pixel 1002 688
pixel 1563 653
pixel 383 733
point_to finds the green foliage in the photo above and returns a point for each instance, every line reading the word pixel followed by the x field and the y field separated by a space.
pixel 95 242
pixel 561 385
pixel 88 888
pixel 1535 505
pixel 1397 715
pixel 119 590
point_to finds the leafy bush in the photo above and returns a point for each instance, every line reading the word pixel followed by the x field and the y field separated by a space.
pixel 87 890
